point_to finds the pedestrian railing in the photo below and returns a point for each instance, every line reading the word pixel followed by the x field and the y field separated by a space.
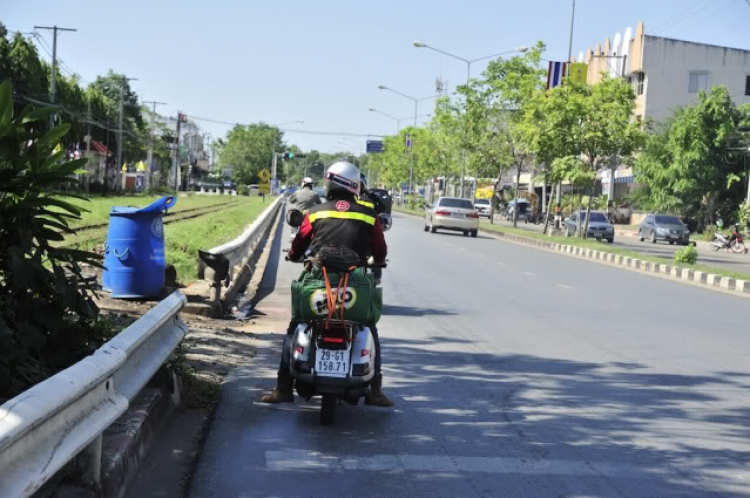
pixel 45 427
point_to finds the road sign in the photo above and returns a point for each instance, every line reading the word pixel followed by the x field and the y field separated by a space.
pixel 265 175
pixel 264 188
pixel 408 140
pixel 375 146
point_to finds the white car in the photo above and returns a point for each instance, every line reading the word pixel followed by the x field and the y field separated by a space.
pixel 452 213
pixel 483 207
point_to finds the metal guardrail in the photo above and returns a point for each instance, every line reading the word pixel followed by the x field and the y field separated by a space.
pixel 45 427
pixel 230 263
pixel 236 250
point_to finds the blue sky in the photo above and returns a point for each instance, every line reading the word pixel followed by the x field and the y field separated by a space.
pixel 322 61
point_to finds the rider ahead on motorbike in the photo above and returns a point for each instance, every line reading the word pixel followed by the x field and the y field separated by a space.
pixel 305 197
pixel 345 221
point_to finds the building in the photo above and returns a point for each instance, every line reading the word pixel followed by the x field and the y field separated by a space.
pixel 667 74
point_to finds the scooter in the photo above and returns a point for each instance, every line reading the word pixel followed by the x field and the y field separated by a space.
pixel 735 242
pixel 331 356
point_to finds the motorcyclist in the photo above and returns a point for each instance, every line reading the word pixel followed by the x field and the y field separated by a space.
pixel 345 221
pixel 367 196
pixel 735 232
pixel 304 198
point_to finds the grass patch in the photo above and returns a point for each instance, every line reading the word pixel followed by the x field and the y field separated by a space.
pixel 401 209
pixel 182 240
pixel 604 247
pixel 99 207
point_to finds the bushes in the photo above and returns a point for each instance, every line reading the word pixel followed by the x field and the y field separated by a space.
pixel 686 255
pixel 243 190
pixel 47 318
pixel 709 232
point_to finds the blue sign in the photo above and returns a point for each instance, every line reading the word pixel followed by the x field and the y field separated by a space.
pixel 408 141
pixel 375 146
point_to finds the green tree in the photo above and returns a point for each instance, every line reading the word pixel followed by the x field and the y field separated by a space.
pixel 495 106
pixel 692 164
pixel 248 149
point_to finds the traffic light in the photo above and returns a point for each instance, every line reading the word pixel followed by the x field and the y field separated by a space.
pixel 292 155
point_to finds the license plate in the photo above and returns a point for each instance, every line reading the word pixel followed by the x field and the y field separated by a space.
pixel 457 215
pixel 330 363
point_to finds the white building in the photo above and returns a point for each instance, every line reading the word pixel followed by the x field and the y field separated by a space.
pixel 667 74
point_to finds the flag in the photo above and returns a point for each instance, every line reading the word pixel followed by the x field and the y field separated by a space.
pixel 125 168
pixel 140 166
pixel 578 72
pixel 557 71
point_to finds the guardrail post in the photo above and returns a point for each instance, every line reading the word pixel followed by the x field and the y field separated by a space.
pixel 89 461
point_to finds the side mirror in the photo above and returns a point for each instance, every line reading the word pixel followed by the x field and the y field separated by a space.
pixel 294 218
pixel 386 221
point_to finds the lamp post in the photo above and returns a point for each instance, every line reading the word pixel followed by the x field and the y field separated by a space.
pixel 468 62
pixel 398 120
pixel 416 114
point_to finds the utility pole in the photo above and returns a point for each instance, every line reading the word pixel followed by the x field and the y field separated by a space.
pixel 150 157
pixel 558 195
pixel 174 176
pixel 54 29
pixel 118 165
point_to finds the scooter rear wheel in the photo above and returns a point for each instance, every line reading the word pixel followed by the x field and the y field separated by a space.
pixel 328 409
pixel 738 247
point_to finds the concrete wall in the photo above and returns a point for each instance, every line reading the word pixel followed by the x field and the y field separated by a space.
pixel 668 63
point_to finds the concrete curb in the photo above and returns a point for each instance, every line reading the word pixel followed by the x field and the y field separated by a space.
pixel 676 273
pixel 127 442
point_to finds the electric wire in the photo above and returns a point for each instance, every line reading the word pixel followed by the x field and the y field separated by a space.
pixel 699 21
pixel 685 14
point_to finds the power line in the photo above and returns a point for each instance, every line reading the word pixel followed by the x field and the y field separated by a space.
pixel 685 14
pixel 699 21
pixel 291 130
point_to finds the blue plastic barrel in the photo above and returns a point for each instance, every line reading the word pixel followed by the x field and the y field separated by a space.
pixel 134 253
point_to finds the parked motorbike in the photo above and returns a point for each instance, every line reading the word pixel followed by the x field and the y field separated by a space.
pixel 734 243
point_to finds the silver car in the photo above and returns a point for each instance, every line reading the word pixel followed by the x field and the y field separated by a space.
pixel 452 213
pixel 599 226
pixel 664 227
pixel 482 206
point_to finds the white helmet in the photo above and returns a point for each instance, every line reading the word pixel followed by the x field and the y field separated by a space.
pixel 342 175
pixel 307 181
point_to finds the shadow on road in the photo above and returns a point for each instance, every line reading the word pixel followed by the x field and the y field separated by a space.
pixel 412 311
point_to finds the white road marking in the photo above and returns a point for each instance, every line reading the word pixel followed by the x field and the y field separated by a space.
pixel 528 273
pixel 296 460
pixel 564 287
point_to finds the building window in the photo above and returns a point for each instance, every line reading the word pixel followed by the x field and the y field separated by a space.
pixel 640 82
pixel 747 86
pixel 697 81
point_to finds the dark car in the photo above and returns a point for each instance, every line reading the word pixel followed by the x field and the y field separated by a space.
pixel 384 197
pixel 664 227
pixel 599 226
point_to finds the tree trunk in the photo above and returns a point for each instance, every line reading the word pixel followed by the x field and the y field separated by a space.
pixel 588 208
pixel 546 217
pixel 515 206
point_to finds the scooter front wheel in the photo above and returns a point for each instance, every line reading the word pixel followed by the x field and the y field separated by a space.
pixel 328 409
pixel 714 247
pixel 738 247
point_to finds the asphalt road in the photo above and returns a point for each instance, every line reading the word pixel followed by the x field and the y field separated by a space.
pixel 722 259
pixel 515 372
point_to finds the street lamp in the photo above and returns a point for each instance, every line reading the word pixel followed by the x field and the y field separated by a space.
pixel 398 120
pixel 469 62
pixel 416 113
pixel 298 121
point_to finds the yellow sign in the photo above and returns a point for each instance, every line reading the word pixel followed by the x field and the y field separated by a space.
pixel 264 188
pixel 484 193
pixel 578 72
pixel 125 168
pixel 265 175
